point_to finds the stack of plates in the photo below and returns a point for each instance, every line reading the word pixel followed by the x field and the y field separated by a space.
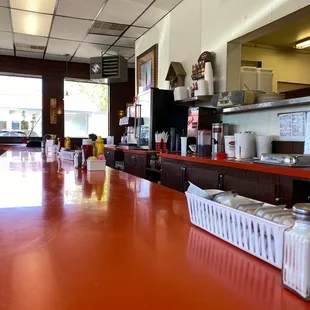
pixel 269 97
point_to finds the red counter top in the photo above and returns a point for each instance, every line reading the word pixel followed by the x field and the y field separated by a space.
pixel 294 172
pixel 74 240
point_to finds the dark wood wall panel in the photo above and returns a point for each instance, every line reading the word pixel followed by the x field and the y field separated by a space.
pixel 120 93
pixel 53 74
pixel 29 66
pixel 53 87
pixel 288 147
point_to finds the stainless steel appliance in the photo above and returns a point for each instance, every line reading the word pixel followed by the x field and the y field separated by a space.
pixel 287 160
pixel 229 99
pixel 219 130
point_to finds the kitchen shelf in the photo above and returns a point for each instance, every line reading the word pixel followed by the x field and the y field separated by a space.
pixel 198 98
pixel 286 103
pixel 197 101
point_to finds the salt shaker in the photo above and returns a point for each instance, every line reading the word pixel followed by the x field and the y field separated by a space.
pixel 296 252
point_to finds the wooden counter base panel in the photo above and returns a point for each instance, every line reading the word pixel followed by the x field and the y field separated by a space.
pixel 273 169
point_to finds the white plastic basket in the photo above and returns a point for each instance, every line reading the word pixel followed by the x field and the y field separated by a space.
pixel 252 234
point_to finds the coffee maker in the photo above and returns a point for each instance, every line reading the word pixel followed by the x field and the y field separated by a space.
pixel 200 118
pixel 128 122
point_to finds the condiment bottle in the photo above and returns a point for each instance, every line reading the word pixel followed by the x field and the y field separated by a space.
pixel 99 146
pixel 87 151
pixel 68 144
pixel 296 252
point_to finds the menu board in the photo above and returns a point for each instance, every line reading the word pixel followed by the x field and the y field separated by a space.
pixel 293 126
pixel 307 135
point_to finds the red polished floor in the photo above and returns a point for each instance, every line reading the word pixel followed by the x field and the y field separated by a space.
pixel 73 240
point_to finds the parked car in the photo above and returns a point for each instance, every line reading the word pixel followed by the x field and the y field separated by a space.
pixel 16 133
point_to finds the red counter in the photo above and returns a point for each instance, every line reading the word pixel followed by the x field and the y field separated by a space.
pixel 72 240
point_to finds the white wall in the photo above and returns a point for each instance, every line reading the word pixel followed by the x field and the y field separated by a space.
pixel 262 123
pixel 178 38
pixel 287 66
pixel 202 25
pixel 195 26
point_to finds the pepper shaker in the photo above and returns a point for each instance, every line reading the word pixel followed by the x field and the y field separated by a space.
pixel 296 252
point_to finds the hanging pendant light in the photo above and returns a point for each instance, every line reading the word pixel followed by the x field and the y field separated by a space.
pixel 67 58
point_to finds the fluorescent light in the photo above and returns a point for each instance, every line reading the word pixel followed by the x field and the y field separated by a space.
pixel 31 23
pixel 303 44
pixel 41 6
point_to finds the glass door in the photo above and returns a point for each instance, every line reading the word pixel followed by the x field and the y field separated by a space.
pixel 143 119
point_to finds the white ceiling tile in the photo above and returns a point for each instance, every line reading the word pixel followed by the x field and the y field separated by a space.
pixel 28 39
pixel 101 39
pixel 56 57
pixel 157 11
pixel 80 8
pixel 132 60
pixel 42 6
pixel 29 54
pixel 31 23
pixel 61 47
pixel 127 42
pixel 166 5
pixel 5 22
pixel 87 50
pixel 6 40
pixel 79 59
pixel 6 52
pixel 70 28
pixel 135 32
pixel 123 11
pixel 123 51
pixel 4 3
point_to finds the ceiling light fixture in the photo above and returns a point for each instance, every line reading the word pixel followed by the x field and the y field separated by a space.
pixel 303 44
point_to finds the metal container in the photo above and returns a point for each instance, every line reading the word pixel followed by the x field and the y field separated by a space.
pixel 219 130
pixel 289 160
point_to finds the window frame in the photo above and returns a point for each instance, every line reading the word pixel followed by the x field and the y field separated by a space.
pixel 90 82
pixel 18 140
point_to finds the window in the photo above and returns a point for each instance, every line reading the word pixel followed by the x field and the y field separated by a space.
pixel 86 109
pixel 15 125
pixel 20 106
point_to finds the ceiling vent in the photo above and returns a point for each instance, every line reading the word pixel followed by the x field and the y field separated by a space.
pixel 29 48
pixel 107 28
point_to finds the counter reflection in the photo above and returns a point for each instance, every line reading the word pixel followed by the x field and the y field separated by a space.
pixel 245 276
